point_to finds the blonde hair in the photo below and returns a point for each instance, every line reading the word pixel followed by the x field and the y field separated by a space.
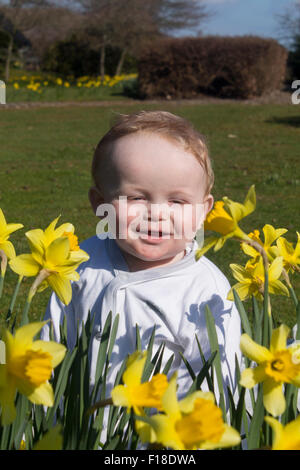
pixel 168 125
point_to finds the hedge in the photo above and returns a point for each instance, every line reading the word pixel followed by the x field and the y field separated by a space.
pixel 229 67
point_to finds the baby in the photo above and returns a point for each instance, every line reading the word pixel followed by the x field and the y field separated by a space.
pixel 147 171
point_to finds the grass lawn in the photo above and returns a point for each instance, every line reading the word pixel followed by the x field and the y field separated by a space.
pixel 45 172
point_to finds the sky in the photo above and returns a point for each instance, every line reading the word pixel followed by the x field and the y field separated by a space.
pixel 241 17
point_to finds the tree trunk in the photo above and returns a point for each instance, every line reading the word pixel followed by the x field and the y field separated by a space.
pixel 121 62
pixel 9 57
pixel 102 60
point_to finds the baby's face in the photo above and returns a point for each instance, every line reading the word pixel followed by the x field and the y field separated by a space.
pixel 164 190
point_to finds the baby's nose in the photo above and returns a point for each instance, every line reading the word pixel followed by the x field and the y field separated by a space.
pixel 156 212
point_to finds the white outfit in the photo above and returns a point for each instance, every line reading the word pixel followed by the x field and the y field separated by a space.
pixel 172 297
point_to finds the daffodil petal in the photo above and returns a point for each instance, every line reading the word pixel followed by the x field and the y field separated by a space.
pixel 186 405
pixel 279 338
pixel 10 228
pixel 56 350
pixel 8 249
pixel 239 272
pixel 67 227
pixel 36 239
pixel 42 395
pixel 273 397
pixel 254 351
pixel 2 222
pixel 230 438
pixel 208 244
pixel 291 435
pixel 252 376
pixel 276 268
pixel 277 430
pixel 243 291
pixel 250 201
pixel 120 397
pixel 271 234
pixel 169 399
pixel 278 288
pixel 51 228
pixel 62 287
pixel 134 370
pixel 25 334
pixel 165 432
pixel 25 265
pixel 58 251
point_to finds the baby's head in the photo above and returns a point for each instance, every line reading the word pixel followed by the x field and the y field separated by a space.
pixel 159 165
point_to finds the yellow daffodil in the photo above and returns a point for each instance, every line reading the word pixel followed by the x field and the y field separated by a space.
pixel 270 236
pixel 285 437
pixel 252 278
pixel 276 366
pixel 52 440
pixel 28 368
pixel 134 394
pixel 291 255
pixel 192 423
pixel 224 219
pixel 54 253
pixel 5 231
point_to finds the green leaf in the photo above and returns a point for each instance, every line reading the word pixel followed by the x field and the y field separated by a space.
pixel 256 422
pixel 257 327
pixel 243 314
pixel 214 346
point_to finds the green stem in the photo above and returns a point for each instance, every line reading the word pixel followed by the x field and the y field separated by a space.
pixel 13 300
pixel 267 318
pixel 43 274
pixel 293 295
pixel 24 319
pixel 1 284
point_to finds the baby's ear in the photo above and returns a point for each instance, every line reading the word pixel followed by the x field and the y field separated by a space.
pixel 96 198
pixel 208 204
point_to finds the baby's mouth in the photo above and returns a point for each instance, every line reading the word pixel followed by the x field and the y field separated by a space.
pixel 153 234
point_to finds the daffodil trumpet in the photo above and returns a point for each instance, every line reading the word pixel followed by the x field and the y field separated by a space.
pixel 224 219
pixel 28 368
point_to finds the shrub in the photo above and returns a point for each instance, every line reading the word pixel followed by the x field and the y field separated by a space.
pixel 71 57
pixel 75 57
pixel 231 67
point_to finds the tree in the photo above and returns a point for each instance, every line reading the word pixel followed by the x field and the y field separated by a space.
pixel 129 24
pixel 289 25
pixel 289 33
pixel 11 22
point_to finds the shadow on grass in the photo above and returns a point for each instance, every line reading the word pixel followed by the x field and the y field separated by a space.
pixel 293 121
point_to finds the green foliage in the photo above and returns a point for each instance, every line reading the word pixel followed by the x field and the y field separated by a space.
pixel 294 59
pixel 71 57
pixel 75 57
